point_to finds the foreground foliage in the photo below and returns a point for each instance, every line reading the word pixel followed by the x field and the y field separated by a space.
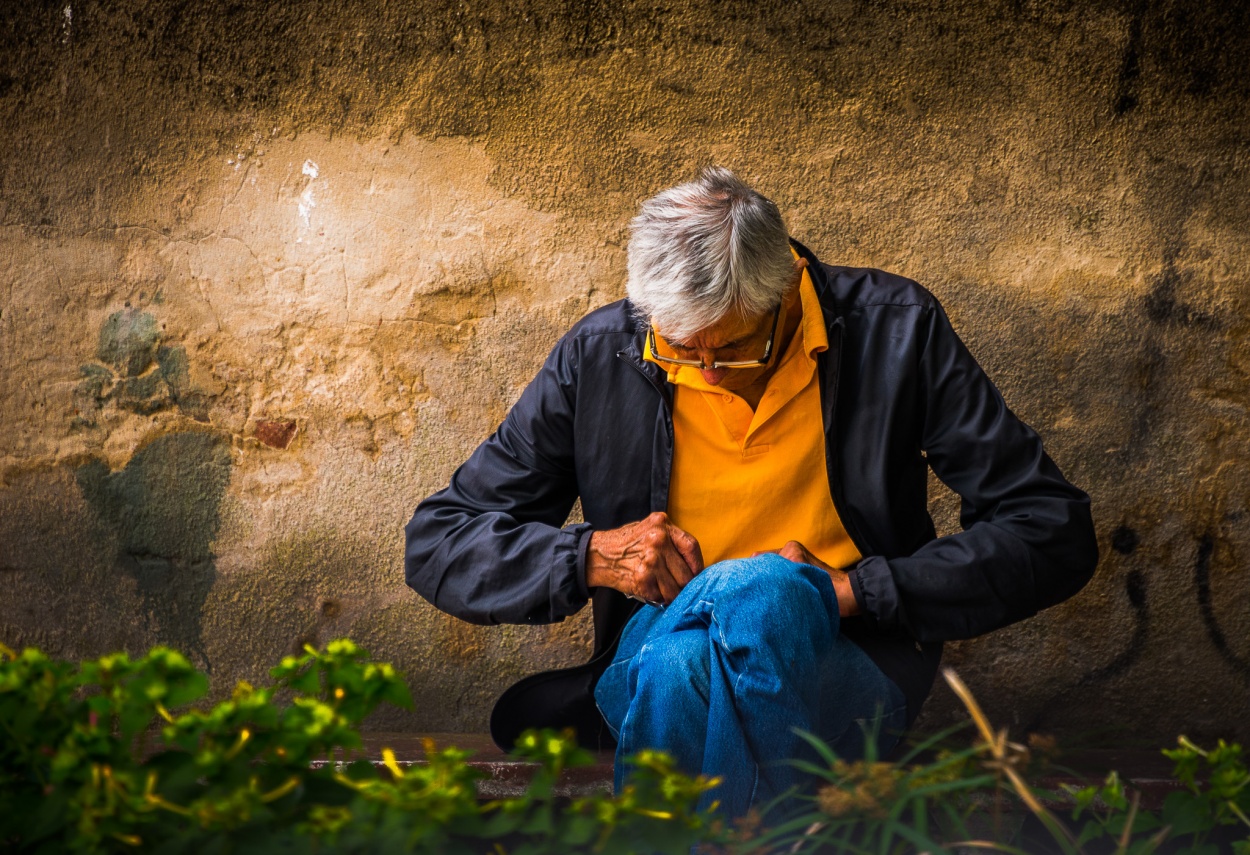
pixel 939 805
pixel 108 756
pixel 239 777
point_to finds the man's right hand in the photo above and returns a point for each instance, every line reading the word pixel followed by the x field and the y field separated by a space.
pixel 650 560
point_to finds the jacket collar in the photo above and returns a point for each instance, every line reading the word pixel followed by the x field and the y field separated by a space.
pixel 824 288
pixel 632 353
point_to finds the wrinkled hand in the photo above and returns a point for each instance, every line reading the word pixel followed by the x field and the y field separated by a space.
pixel 798 553
pixel 649 560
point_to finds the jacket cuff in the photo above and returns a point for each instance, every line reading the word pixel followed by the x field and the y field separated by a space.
pixel 583 546
pixel 853 576
pixel 876 593
pixel 568 579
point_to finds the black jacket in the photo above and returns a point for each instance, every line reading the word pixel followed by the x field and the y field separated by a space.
pixel 900 394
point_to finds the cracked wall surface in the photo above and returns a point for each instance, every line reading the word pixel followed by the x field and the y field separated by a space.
pixel 270 271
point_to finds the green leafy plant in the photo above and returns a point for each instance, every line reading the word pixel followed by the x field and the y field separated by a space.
pixel 1224 798
pixel 1112 813
pixel 1215 795
pixel 102 758
pixel 110 756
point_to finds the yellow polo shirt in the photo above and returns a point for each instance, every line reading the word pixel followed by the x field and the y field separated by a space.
pixel 747 480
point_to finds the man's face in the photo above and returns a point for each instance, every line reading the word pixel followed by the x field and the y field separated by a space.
pixel 731 339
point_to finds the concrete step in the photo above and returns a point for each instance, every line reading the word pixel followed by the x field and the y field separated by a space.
pixel 505 776
pixel 1146 771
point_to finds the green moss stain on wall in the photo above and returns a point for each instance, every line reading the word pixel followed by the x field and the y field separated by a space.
pixel 138 373
pixel 269 272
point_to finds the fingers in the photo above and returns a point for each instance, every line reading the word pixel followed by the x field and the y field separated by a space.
pixel 650 560
pixel 688 548
pixel 663 570
pixel 796 552
pixel 802 555
pixel 671 558
pixel 678 570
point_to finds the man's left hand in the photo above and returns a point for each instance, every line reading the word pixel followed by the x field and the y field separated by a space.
pixel 799 554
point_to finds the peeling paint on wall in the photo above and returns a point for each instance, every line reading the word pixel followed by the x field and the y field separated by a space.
pixel 306 203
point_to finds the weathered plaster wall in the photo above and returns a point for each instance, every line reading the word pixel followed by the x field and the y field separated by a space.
pixel 269 271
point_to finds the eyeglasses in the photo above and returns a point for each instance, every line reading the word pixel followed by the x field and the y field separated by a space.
pixel 698 363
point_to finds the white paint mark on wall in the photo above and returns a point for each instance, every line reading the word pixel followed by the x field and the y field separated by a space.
pixel 306 202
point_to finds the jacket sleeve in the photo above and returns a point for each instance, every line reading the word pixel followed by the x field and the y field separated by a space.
pixel 489 548
pixel 1028 537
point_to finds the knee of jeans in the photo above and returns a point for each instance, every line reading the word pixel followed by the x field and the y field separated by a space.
pixel 770 577
pixel 677 661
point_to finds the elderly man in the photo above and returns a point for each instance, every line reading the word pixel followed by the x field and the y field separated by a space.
pixel 749 434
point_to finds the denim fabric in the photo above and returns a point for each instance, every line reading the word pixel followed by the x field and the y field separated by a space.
pixel 721 678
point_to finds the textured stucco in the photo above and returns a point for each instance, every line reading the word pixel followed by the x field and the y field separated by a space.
pixel 269 272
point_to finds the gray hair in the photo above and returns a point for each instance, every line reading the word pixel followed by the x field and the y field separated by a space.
pixel 701 250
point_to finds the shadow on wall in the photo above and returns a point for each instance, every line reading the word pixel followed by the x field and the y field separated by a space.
pixel 165 509
pixel 164 506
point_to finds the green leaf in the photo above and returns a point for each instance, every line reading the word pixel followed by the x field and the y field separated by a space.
pixel 1187 814
pixel 307 682
pixel 1203 849
pixel 1091 830
pixel 361 770
pixel 190 688
pixel 578 831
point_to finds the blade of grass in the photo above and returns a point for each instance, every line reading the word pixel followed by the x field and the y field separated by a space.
pixel 823 772
pixel 959 821
pixel 941 787
pixel 797 824
pixel 987 844
pixel 931 741
pixel 920 816
pixel 998 744
pixel 1057 829
pixel 822 748
pixel 1127 834
pixel 970 703
pixel 921 841
pixel 1158 839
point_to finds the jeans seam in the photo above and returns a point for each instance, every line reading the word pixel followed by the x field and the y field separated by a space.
pixel 720 635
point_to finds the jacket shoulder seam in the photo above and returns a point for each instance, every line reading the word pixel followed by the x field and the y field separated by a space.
pixel 893 304
pixel 590 333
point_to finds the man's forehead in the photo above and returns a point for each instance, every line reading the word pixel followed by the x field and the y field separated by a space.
pixel 729 329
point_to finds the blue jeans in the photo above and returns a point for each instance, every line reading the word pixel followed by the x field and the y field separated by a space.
pixel 722 677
